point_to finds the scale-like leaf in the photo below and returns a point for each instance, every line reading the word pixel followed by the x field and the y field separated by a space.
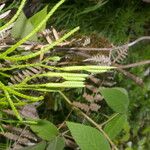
pixel 45 129
pixel 88 138
pixel 114 126
pixel 116 98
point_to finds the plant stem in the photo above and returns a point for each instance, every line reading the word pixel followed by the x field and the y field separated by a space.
pixel 90 120
pixel 12 106
pixel 34 99
pixel 109 119
pixel 134 64
pixel 11 49
pixel 43 50
pixel 20 122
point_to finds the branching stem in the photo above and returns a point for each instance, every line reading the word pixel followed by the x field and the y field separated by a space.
pixel 90 120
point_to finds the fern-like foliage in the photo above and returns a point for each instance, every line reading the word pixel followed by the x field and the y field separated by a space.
pixel 101 60
pixel 119 55
pixel 20 75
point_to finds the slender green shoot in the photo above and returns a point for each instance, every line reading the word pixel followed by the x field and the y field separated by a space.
pixel 15 16
pixel 43 50
pixel 12 105
pixel 11 49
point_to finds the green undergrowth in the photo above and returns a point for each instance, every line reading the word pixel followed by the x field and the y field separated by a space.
pixel 117 20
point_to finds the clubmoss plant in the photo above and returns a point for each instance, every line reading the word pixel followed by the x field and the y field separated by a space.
pixel 71 80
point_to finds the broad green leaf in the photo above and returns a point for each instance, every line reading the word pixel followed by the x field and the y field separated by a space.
pixel 122 90
pixel 22 28
pixel 36 19
pixel 116 98
pixel 39 146
pixel 57 143
pixel 45 129
pixel 114 126
pixel 88 138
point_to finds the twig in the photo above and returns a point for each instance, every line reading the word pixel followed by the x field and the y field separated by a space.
pixel 65 132
pixel 62 124
pixel 134 64
pixel 105 49
pixel 83 49
pixel 138 40
pixel 17 141
pixel 136 79
pixel 86 48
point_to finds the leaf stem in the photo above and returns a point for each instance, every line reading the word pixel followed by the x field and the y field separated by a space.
pixel 102 124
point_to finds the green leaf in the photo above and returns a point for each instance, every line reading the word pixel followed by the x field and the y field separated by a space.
pixel 36 19
pixel 22 28
pixel 126 136
pixel 57 143
pixel 88 138
pixel 116 98
pixel 114 126
pixel 39 146
pixel 45 129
